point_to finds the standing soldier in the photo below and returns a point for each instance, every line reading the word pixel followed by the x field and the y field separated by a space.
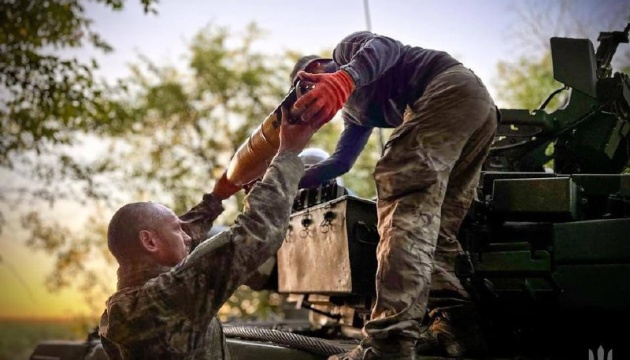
pixel 444 122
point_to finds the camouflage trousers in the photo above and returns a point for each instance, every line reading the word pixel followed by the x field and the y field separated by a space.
pixel 426 181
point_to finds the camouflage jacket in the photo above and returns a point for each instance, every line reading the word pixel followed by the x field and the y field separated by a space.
pixel 171 313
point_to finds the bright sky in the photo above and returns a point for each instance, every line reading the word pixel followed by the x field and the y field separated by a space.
pixel 474 31
pixel 478 33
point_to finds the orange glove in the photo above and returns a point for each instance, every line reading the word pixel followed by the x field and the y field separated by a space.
pixel 320 104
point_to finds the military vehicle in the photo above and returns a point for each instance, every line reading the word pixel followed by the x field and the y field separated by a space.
pixel 547 252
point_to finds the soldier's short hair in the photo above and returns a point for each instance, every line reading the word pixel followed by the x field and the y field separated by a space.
pixel 126 224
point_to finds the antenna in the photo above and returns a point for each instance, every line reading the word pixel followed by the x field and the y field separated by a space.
pixel 366 11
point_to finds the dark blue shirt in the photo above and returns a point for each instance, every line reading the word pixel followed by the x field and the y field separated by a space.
pixel 388 76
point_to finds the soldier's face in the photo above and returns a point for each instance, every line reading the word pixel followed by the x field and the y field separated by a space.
pixel 173 241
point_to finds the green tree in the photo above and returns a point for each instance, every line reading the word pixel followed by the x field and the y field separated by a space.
pixel 527 81
pixel 188 124
pixel 49 101
pixel 82 260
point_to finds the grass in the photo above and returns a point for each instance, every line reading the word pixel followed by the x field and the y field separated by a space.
pixel 18 337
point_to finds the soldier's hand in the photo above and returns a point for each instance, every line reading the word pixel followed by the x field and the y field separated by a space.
pixel 330 92
pixel 295 137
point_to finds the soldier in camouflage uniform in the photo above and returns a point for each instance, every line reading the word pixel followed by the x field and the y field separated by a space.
pixel 444 122
pixel 167 299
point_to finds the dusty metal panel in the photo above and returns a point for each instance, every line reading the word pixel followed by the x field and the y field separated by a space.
pixel 315 255
pixel 330 249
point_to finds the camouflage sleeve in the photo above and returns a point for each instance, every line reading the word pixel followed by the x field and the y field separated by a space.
pixel 198 220
pixel 200 285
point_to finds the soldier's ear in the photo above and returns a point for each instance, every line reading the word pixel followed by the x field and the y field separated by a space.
pixel 149 241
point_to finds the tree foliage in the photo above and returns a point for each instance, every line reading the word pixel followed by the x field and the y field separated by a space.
pixel 189 123
pixel 47 98
pixel 49 102
pixel 527 81
pixel 82 260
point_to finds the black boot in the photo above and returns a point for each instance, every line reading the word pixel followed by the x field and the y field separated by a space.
pixel 455 332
